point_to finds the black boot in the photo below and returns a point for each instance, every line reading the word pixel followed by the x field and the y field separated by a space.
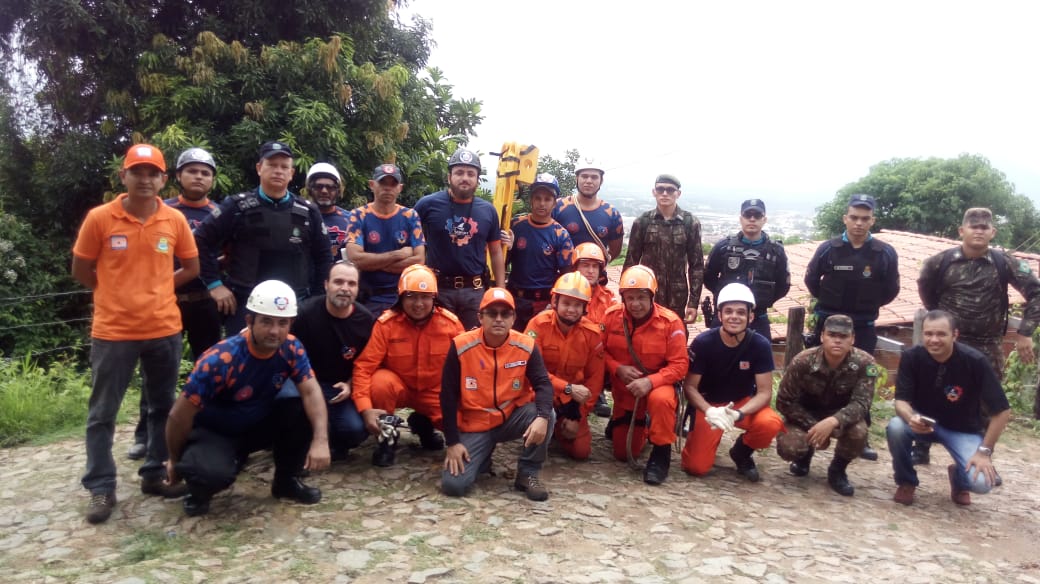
pixel 657 465
pixel 837 479
pixel 384 454
pixel 422 427
pixel 800 467
pixel 868 453
pixel 920 453
pixel 293 488
pixel 602 409
pixel 741 455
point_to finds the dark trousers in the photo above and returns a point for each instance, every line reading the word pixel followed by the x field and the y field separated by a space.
pixel 209 463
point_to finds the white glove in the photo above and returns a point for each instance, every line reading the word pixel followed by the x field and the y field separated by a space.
pixel 718 419
pixel 733 415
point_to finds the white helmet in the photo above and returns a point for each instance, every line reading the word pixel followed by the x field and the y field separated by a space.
pixel 588 164
pixel 272 298
pixel 735 292
pixel 323 168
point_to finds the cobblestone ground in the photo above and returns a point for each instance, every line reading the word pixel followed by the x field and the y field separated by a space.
pixel 600 524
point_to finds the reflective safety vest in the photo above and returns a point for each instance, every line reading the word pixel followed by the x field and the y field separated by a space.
pixel 492 379
pixel 270 243
pixel 850 280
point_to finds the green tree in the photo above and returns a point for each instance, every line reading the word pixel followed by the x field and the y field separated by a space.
pixel 930 196
pixel 563 170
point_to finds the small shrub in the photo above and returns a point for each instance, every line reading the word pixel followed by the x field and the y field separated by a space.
pixel 35 400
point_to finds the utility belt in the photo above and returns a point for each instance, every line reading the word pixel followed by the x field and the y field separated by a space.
pixel 194 296
pixel 531 293
pixel 459 282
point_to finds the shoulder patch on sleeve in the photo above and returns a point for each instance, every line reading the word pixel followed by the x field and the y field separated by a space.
pixel 871 370
pixel 1023 267
pixel 533 334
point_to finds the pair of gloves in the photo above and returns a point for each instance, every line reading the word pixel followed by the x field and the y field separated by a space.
pixel 723 417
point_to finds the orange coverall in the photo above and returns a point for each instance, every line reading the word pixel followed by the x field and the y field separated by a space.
pixel 602 299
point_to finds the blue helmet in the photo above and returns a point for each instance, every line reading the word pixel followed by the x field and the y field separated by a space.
pixel 546 180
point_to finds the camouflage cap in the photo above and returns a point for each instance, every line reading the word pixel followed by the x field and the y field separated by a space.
pixel 838 323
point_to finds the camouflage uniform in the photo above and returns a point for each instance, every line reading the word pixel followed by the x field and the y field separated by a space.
pixel 811 391
pixel 672 249
pixel 972 290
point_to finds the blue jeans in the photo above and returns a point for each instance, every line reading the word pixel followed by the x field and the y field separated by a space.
pixel 481 444
pixel 960 445
pixel 112 365
pixel 346 427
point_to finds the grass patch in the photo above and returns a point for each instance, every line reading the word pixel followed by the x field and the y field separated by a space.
pixel 37 401
pixel 149 545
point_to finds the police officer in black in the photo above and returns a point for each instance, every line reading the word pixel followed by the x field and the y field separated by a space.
pixel 270 234
pixel 752 259
pixel 854 274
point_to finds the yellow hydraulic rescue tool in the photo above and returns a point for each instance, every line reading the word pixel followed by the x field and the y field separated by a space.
pixel 517 164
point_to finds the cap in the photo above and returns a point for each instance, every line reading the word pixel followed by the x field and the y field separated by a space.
pixel 495 295
pixel 753 205
pixel 668 179
pixel 139 154
pixel 274 148
pixel 384 170
pixel 862 201
pixel 838 323
pixel 323 169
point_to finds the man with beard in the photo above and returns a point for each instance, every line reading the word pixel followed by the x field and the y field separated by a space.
pixel 461 230
pixel 229 408
pixel 383 239
pixel 587 217
pixel 402 364
pixel 334 329
pixel 323 187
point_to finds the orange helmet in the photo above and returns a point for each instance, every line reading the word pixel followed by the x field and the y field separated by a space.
pixel 417 278
pixel 589 251
pixel 638 278
pixel 574 285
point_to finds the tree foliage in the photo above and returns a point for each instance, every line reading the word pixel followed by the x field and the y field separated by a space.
pixel 563 170
pixel 930 196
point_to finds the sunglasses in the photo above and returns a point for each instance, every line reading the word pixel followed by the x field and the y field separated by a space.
pixel 753 215
pixel 496 314
pixel 663 190
pixel 323 187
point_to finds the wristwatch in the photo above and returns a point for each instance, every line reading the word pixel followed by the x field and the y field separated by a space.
pixel 986 450
pixel 567 390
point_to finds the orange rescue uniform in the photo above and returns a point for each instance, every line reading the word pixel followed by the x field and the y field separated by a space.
pixel 602 299
pixel 402 363
pixel 575 357
pixel 660 344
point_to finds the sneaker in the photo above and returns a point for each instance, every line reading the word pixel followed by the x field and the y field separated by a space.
pixel 293 488
pixel 839 482
pixel 904 494
pixel 159 487
pixel 958 496
pixel 138 451
pixel 384 454
pixel 195 505
pixel 745 464
pixel 602 409
pixel 532 486
pixel 100 507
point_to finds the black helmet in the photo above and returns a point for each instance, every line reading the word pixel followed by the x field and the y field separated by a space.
pixel 465 157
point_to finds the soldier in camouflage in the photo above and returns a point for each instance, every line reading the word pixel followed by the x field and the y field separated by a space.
pixel 668 241
pixel 826 393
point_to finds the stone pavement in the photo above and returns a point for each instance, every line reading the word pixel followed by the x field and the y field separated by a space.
pixel 600 524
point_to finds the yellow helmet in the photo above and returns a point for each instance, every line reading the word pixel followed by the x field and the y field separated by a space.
pixel 574 285
pixel 589 251
pixel 638 278
pixel 417 278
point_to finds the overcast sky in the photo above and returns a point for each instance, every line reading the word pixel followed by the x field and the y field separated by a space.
pixel 780 100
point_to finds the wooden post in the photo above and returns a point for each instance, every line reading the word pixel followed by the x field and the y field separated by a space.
pixel 918 325
pixel 795 326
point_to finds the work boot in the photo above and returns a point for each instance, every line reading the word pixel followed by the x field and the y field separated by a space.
pixel 196 505
pixel 384 454
pixel 159 487
pixel 868 453
pixel 422 427
pixel 920 453
pixel 838 480
pixel 100 507
pixel 904 494
pixel 741 455
pixel 602 409
pixel 657 465
pixel 138 451
pixel 800 467
pixel 958 496
pixel 532 486
pixel 293 488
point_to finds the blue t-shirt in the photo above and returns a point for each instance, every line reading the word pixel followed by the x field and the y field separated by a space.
pixel 720 382
pixel 540 254
pixel 605 221
pixel 382 233
pixel 457 234
pixel 195 213
pixel 336 223
pixel 236 389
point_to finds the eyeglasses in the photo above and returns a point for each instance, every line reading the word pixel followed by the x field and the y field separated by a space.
pixel 504 314
pixel 753 215
pixel 663 190
pixel 323 187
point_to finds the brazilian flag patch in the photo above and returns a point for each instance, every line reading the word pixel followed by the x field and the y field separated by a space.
pixel 1023 267
pixel 872 370
pixel 532 334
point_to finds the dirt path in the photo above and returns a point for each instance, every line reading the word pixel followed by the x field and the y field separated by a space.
pixel 601 524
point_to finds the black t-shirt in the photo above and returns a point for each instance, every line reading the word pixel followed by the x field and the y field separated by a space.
pixel 332 343
pixel 728 373
pixel 950 392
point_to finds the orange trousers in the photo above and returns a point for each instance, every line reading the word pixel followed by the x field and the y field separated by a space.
pixel 390 393
pixel 702 442
pixel 661 403
pixel 579 448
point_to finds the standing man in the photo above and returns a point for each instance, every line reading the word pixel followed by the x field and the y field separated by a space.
pixel 668 241
pixel 942 390
pixel 826 393
pixel 752 259
pixel 402 364
pixel 335 328
pixel 587 217
pixel 270 233
pixel 229 408
pixel 461 231
pixel 572 347
pixel 854 274
pixel 495 389
pixel 646 356
pixel 730 386
pixel 541 251
pixel 324 188
pixel 124 253
pixel 384 238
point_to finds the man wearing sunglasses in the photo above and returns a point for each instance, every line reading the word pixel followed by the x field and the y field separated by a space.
pixel 752 259
pixel 323 187
pixel 668 241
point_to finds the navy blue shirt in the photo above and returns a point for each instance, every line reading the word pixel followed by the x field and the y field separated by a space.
pixel 195 212
pixel 722 382
pixel 457 234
